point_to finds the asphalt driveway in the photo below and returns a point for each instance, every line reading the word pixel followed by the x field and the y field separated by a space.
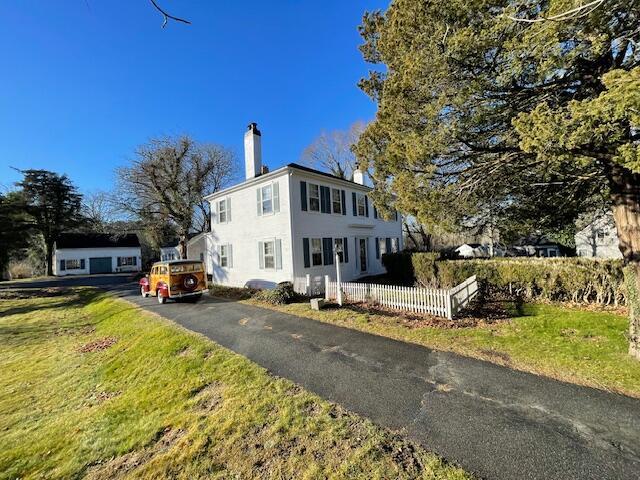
pixel 495 422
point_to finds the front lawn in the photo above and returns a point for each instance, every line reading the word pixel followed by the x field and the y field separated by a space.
pixel 93 386
pixel 578 346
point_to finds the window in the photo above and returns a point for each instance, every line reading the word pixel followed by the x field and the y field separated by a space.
pixel 316 251
pixel 126 261
pixel 394 245
pixel 338 244
pixel 267 200
pixel 362 208
pixel 224 255
pixel 74 264
pixel 382 246
pixel 222 211
pixel 336 200
pixel 601 235
pixel 314 197
pixel 269 255
pixel 183 268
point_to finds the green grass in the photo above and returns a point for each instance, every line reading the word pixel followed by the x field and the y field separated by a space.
pixel 161 402
pixel 584 347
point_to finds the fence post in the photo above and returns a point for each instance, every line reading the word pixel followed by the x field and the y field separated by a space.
pixel 326 287
pixel 448 305
pixel 308 285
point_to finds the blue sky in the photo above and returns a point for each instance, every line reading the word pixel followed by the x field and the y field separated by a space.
pixel 82 83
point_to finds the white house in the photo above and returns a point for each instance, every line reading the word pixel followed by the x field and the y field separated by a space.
pixel 473 250
pixel 196 248
pixel 283 226
pixel 85 253
pixel 599 239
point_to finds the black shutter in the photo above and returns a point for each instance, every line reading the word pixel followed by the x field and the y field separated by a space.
pixel 325 199
pixel 395 213
pixel 366 205
pixel 305 248
pixel 375 212
pixel 344 202
pixel 62 265
pixel 377 247
pixel 82 264
pixel 346 246
pixel 303 197
pixel 327 251
pixel 119 261
pixel 135 259
pixel 355 204
pixel 387 242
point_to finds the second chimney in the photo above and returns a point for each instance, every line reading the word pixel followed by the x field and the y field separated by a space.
pixel 358 176
pixel 252 151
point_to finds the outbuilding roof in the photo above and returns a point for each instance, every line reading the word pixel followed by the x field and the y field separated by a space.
pixel 97 240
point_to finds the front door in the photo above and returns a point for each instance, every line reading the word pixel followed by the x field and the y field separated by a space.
pixel 362 251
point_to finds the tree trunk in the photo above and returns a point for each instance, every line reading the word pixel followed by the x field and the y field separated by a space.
pixel 625 197
pixel 182 246
pixel 49 249
pixel 632 278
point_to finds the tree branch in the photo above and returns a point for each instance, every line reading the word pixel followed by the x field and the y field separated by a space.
pixel 168 16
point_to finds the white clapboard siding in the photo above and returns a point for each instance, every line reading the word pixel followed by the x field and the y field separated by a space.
pixel 435 301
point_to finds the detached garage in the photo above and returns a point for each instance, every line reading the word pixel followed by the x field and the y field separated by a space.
pixel 93 253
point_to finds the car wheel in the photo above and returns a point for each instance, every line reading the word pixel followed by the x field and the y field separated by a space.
pixel 161 299
pixel 143 292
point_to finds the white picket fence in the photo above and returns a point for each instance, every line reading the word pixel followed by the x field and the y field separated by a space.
pixel 435 301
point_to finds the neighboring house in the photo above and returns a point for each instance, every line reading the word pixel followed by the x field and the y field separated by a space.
pixel 196 248
pixel 283 226
pixel 535 246
pixel 83 253
pixel 599 239
pixel 472 250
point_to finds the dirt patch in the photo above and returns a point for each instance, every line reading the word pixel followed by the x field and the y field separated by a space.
pixel 98 345
pixel 501 357
pixel 186 352
pixel 210 397
pixel 99 397
pixel 121 466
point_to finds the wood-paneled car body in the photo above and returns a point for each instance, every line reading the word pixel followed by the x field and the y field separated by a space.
pixel 175 279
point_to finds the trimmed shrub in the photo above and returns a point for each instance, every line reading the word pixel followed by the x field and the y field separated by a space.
pixel 578 280
pixel 282 294
pixel 399 265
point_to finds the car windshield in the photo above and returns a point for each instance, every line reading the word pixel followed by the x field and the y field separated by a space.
pixel 186 267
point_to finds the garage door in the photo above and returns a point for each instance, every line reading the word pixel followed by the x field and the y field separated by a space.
pixel 100 265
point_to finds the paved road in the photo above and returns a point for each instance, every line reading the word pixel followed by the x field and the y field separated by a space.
pixel 493 421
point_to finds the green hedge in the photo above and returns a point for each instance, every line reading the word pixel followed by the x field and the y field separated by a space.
pixel 562 279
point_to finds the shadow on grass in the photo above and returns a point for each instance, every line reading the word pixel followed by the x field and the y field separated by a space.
pixel 18 330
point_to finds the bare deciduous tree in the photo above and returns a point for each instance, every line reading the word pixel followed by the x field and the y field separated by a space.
pixel 331 151
pixel 168 180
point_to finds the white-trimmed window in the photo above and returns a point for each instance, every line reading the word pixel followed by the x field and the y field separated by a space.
pixel 127 261
pixel 73 264
pixel 382 246
pixel 314 197
pixel 268 197
pixel 316 251
pixel 224 255
pixel 394 245
pixel 222 211
pixel 269 255
pixel 338 244
pixel 362 205
pixel 336 201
